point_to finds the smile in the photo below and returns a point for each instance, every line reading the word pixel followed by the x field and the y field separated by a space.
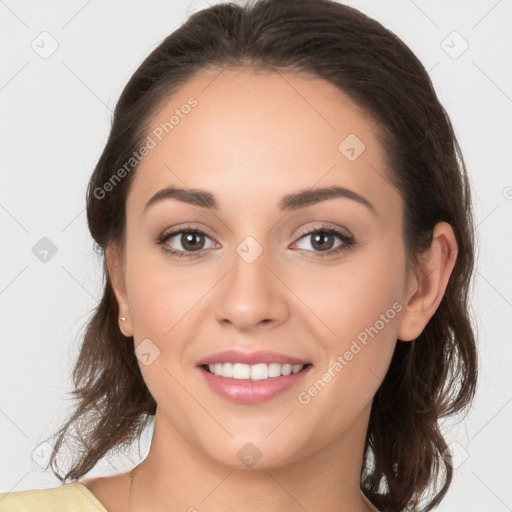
pixel 252 384
pixel 261 371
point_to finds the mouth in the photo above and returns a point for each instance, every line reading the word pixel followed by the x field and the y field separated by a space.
pixel 254 372
pixel 252 377
pixel 253 384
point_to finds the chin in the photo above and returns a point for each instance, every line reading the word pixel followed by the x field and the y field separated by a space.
pixel 253 453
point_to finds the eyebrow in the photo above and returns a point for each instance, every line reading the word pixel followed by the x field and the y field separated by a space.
pixel 290 202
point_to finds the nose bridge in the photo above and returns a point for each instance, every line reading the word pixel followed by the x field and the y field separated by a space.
pixel 251 293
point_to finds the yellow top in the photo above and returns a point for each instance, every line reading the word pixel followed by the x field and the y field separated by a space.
pixel 70 497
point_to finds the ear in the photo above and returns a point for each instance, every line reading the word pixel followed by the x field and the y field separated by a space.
pixel 427 282
pixel 115 268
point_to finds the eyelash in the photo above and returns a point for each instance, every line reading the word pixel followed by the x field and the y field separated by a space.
pixel 348 241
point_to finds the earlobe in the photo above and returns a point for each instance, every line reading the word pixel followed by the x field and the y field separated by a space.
pixel 428 282
pixel 113 261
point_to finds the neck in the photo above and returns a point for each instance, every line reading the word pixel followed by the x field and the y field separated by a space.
pixel 176 476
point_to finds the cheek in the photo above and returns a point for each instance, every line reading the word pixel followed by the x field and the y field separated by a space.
pixel 364 319
pixel 161 294
pixel 361 295
pixel 360 304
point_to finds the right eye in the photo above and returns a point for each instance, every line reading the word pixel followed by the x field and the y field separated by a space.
pixel 187 242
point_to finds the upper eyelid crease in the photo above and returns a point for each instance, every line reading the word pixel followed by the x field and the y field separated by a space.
pixel 290 202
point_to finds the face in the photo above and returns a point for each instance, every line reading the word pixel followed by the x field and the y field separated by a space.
pixel 317 278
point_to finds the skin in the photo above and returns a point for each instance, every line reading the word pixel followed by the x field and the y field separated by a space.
pixel 253 138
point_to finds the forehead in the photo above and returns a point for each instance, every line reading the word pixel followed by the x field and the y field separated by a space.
pixel 261 133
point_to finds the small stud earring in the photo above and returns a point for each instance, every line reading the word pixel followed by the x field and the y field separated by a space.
pixel 122 319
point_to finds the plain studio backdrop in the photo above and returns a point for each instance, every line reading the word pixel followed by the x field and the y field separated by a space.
pixel 64 64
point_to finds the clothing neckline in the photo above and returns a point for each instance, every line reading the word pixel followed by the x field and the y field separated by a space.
pixel 88 493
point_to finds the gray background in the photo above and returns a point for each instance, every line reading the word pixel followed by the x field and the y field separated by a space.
pixel 54 120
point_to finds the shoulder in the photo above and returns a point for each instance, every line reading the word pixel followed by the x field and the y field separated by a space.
pixel 68 497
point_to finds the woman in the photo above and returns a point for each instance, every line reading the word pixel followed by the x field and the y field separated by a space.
pixel 286 226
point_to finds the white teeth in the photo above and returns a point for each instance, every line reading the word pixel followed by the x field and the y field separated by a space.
pixel 286 369
pixel 274 370
pixel 260 371
pixel 240 371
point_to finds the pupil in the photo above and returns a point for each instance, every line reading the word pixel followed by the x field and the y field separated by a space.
pixel 321 244
pixel 189 241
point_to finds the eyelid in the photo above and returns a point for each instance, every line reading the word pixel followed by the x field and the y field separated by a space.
pixel 326 227
pixel 186 227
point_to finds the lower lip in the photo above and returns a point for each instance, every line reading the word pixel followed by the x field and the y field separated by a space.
pixel 245 391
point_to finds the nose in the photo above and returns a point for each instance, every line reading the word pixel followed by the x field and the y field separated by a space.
pixel 252 295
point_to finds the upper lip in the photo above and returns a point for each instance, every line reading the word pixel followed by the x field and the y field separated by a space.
pixel 259 356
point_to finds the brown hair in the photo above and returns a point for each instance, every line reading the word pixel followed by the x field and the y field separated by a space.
pixel 406 461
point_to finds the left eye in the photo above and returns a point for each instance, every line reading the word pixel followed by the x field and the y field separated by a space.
pixel 323 240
